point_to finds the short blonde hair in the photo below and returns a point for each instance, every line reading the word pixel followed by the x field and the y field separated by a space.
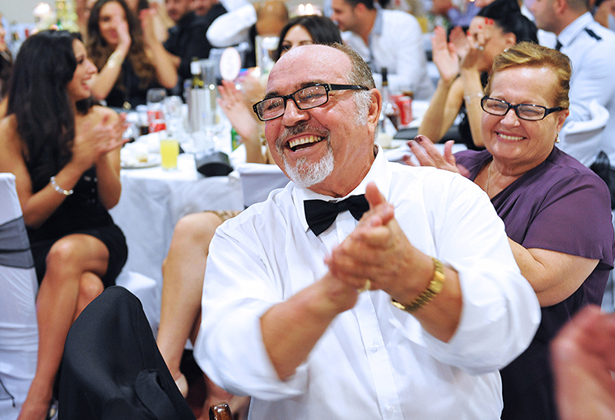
pixel 528 54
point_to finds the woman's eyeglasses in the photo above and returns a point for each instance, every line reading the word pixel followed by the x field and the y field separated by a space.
pixel 527 112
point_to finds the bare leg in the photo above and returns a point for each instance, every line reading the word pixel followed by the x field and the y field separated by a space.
pixel 183 272
pixel 75 264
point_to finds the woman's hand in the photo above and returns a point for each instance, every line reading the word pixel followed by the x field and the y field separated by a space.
pixel 93 141
pixel 460 43
pixel 124 35
pixel 428 155
pixel 146 16
pixel 242 118
pixel 444 55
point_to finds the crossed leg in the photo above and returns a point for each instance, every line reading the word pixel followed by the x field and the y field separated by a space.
pixel 75 265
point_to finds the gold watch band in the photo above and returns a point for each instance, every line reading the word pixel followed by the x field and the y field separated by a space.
pixel 435 286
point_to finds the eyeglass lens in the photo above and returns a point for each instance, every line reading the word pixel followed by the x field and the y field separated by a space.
pixel 523 111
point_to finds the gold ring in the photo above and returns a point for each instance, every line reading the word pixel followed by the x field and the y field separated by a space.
pixel 367 286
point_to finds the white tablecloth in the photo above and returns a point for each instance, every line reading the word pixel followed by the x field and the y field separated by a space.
pixel 152 202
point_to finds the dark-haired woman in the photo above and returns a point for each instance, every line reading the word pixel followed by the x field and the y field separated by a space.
pixel 129 57
pixel 64 153
pixel 6 63
pixel 464 65
pixel 305 30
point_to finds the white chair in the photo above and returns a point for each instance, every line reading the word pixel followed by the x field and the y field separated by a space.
pixel 258 180
pixel 18 288
pixel 581 139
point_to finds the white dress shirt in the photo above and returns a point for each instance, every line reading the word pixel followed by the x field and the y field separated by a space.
pixel 374 361
pixel 591 48
pixel 396 42
pixel 232 28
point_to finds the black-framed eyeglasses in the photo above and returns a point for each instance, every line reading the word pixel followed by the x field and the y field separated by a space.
pixel 527 112
pixel 305 98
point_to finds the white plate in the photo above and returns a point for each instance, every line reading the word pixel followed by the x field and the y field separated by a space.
pixel 152 160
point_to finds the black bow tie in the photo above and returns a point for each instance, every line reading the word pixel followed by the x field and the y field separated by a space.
pixel 320 214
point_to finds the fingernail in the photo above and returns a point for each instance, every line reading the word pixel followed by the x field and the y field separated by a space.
pixel 418 139
pixel 480 26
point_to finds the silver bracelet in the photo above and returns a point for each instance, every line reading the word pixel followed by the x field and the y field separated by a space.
pixel 59 189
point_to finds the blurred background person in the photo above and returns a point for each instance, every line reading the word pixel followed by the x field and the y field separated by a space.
pixel 6 64
pixel 266 18
pixel 129 58
pixel 184 268
pixel 65 155
pixel 188 38
pixel 386 38
pixel 556 211
pixel 464 64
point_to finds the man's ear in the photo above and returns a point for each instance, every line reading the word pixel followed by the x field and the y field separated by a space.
pixel 375 106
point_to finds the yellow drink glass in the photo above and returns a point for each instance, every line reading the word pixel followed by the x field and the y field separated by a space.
pixel 169 150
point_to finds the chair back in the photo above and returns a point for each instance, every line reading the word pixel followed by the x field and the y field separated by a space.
pixel 258 180
pixel 18 288
pixel 112 368
pixel 581 139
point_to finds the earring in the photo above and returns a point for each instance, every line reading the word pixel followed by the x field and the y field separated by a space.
pixel 557 138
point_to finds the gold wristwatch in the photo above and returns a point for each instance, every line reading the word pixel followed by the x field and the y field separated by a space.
pixel 435 286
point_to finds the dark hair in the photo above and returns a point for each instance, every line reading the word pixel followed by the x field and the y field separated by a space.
pixel 507 15
pixel 38 97
pixel 99 51
pixel 6 66
pixel 321 29
pixel 368 3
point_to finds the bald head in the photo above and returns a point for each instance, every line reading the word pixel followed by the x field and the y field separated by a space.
pixel 271 16
pixel 334 57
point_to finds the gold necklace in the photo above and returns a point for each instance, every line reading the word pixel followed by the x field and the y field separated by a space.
pixel 488 178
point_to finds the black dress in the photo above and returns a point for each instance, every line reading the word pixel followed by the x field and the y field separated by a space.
pixel 83 213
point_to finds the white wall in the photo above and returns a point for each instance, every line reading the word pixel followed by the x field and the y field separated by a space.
pixel 20 11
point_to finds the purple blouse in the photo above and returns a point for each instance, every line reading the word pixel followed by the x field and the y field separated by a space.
pixel 560 205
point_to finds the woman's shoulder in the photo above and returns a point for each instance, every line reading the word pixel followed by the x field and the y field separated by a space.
pixel 99 112
pixel 8 129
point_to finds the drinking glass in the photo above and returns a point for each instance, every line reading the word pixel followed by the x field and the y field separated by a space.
pixel 169 150
pixel 155 98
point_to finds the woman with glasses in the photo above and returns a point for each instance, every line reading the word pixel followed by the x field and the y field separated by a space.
pixel 555 210
pixel 464 64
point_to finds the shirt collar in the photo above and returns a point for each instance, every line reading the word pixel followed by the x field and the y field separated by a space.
pixel 377 173
pixel 378 23
pixel 571 31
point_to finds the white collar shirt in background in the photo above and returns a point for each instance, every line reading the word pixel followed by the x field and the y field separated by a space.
pixel 396 42
pixel 591 48
pixel 374 361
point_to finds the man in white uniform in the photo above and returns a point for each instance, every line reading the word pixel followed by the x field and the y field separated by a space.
pixel 591 49
pixel 386 38
pixel 284 319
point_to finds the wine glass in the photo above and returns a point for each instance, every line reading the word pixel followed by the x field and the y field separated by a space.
pixel 155 98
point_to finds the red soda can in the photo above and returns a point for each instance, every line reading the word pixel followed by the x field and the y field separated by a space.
pixel 154 114
pixel 404 103
pixel 157 125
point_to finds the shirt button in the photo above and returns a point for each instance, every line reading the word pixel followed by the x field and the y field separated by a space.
pixel 390 408
pixel 375 348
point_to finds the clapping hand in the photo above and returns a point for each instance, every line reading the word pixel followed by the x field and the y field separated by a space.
pixel 123 33
pixel 377 249
pixel 428 155
pixel 238 112
pixel 92 141
pixel 444 55
pixel 583 363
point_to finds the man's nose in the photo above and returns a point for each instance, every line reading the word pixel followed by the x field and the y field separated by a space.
pixel 292 113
